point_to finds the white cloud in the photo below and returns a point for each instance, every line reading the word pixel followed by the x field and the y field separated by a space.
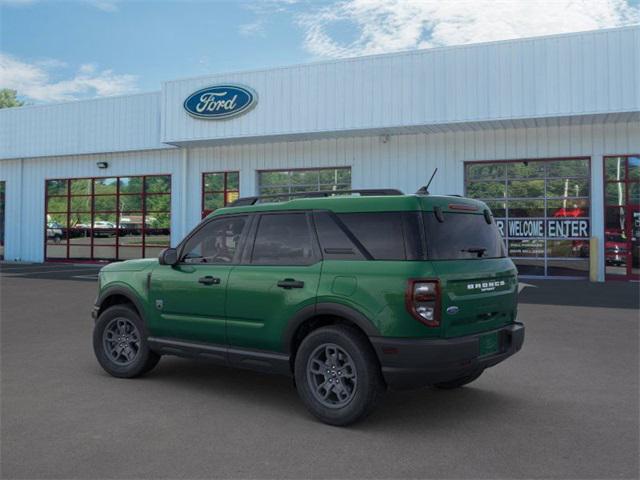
pixel 391 25
pixel 35 82
pixel 252 28
pixel 104 5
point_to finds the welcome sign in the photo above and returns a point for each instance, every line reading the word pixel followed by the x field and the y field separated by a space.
pixel 220 102
pixel 551 228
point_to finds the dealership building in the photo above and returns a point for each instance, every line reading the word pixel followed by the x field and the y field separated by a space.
pixel 545 130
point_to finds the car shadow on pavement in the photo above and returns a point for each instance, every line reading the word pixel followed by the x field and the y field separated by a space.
pixel 276 395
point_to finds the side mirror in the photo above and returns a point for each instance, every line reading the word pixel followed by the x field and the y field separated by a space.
pixel 168 256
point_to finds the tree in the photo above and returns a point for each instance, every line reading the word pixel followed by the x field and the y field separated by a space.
pixel 8 98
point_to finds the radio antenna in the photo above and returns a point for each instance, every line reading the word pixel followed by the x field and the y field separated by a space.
pixel 425 190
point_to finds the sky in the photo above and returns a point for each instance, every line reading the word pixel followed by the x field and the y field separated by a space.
pixel 55 50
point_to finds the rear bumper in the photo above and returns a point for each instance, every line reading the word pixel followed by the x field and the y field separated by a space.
pixel 410 363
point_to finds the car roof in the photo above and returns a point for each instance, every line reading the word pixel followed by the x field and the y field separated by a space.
pixel 362 204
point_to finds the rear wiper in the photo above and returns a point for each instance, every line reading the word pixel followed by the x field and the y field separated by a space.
pixel 478 250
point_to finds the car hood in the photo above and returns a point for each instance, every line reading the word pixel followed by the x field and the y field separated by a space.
pixel 130 265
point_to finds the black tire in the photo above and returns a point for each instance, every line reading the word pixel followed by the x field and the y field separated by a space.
pixel 362 385
pixel 135 358
pixel 459 382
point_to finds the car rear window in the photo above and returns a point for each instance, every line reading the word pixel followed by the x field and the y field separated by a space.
pixel 462 236
pixel 386 235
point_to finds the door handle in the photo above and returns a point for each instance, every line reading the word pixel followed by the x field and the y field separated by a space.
pixel 289 283
pixel 209 280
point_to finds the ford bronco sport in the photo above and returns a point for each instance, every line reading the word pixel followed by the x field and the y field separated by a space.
pixel 348 294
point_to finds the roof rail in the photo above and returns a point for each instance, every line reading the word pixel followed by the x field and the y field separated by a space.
pixel 244 201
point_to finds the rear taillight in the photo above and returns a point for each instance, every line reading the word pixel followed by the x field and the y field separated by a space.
pixel 423 301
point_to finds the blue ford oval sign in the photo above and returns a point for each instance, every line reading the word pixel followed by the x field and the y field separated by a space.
pixel 220 101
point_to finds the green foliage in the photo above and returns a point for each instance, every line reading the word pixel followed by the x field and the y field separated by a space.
pixel 8 98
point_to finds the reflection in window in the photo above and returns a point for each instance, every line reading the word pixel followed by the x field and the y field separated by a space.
pixel 298 181
pixel 540 193
pixel 216 242
pixel 283 239
pixel 107 218
pixel 218 190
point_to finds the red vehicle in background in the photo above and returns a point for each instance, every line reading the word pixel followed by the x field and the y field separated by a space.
pixel 615 247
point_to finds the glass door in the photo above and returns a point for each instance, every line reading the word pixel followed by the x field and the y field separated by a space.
pixel 622 217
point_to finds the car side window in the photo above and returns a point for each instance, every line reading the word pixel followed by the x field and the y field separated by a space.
pixel 334 242
pixel 216 242
pixel 283 239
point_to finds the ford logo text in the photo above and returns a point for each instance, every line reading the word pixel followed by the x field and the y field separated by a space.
pixel 220 102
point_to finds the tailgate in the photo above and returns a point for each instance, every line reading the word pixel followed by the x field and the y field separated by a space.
pixel 477 295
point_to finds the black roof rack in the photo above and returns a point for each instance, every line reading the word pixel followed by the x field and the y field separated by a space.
pixel 244 201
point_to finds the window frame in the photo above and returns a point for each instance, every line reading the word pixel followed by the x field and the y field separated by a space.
pixel 505 179
pixel 627 207
pixel 92 213
pixel 289 185
pixel 205 212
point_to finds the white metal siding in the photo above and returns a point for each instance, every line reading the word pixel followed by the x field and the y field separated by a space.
pixel 558 76
pixel 113 124
pixel 25 196
pixel 404 162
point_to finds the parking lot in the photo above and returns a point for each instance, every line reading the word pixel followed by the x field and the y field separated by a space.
pixel 565 407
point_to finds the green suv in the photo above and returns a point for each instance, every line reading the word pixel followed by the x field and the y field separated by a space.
pixel 349 295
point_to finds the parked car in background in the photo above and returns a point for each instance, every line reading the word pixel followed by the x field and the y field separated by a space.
pixel 615 248
pixel 54 232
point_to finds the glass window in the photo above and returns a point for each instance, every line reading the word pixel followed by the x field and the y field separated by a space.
pixel 462 236
pixel 568 168
pixel 283 239
pixel 614 168
pixel 57 187
pixel 486 171
pixel 486 189
pixel 634 193
pixel 526 208
pixel 568 248
pixel 158 184
pixel 158 203
pixel 105 186
pixel 57 204
pixel 568 188
pixel 525 188
pixel 527 266
pixel 105 203
pixel 545 201
pixel 526 169
pixel 81 204
pixel 498 209
pixel 218 190
pixel 634 168
pixel 130 203
pixel 334 242
pixel 526 248
pixel 308 180
pixel 564 268
pixel 215 242
pixel 381 234
pixel 81 186
pixel 131 184
pixel 615 193
pixel 95 215
pixel 575 207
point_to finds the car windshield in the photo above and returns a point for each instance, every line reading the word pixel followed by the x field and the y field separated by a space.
pixel 462 236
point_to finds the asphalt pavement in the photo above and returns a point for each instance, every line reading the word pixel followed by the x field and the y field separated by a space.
pixel 566 406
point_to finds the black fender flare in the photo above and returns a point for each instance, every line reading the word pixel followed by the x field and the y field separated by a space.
pixel 123 291
pixel 333 309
